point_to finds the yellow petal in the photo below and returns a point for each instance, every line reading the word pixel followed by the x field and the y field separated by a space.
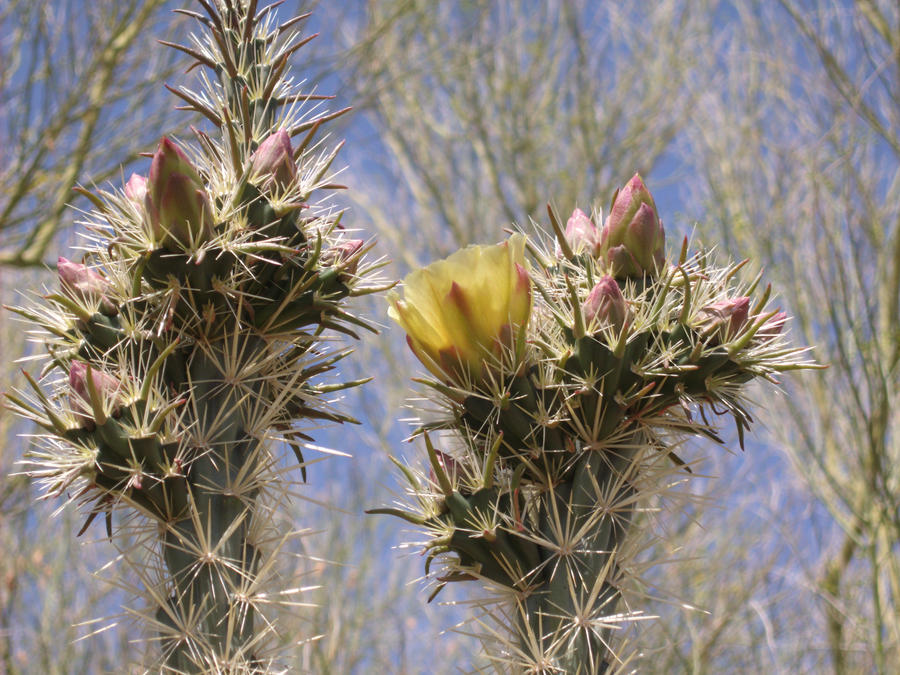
pixel 425 328
pixel 456 310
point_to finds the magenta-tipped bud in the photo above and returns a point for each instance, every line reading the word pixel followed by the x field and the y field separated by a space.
pixel 772 328
pixel 621 263
pixel 177 204
pixel 605 305
pixel 448 463
pixel 136 188
pixel 344 256
pixel 727 317
pixel 272 165
pixel 108 389
pixel 581 233
pixel 633 224
pixel 84 285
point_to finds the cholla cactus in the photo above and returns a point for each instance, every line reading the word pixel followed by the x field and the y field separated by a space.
pixel 563 391
pixel 191 345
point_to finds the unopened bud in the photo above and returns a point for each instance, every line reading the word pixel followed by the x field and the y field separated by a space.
pixel 727 317
pixel 448 463
pixel 581 234
pixel 177 203
pixel 84 285
pixel 605 304
pixel 108 388
pixel 136 188
pixel 343 255
pixel 273 162
pixel 633 224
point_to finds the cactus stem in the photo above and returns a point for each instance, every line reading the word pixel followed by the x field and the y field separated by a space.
pixel 761 303
pixel 753 284
pixel 154 368
pixel 410 476
pixel 408 516
pixel 734 269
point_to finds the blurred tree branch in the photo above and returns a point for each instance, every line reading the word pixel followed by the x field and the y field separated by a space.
pixel 485 110
pixel 81 96
pixel 813 196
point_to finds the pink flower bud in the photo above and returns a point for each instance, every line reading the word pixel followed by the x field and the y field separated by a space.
pixel 136 188
pixel 621 263
pixel 108 389
pixel 581 233
pixel 273 164
pixel 727 317
pixel 177 203
pixel 84 285
pixel 605 304
pixel 633 223
pixel 772 328
pixel 343 255
pixel 448 463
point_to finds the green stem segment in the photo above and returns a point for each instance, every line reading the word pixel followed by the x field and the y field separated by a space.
pixel 577 585
pixel 208 553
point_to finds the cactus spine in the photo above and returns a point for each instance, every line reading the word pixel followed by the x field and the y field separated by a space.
pixel 193 344
pixel 542 456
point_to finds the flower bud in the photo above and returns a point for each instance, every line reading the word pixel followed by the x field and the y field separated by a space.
pixel 108 389
pixel 466 310
pixel 726 317
pixel 177 203
pixel 449 464
pixel 605 304
pixel 343 255
pixel 581 233
pixel 633 225
pixel 622 263
pixel 84 285
pixel 772 328
pixel 272 165
pixel 136 188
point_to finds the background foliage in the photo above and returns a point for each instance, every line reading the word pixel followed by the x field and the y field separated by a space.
pixel 769 128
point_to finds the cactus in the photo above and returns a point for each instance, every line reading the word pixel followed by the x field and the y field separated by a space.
pixel 191 347
pixel 543 452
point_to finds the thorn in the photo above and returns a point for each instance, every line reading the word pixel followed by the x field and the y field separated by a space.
pixel 290 22
pixel 560 234
pixel 90 519
pixel 436 591
pixel 680 462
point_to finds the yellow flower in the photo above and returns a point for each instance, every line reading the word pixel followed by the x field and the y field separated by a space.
pixel 466 309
